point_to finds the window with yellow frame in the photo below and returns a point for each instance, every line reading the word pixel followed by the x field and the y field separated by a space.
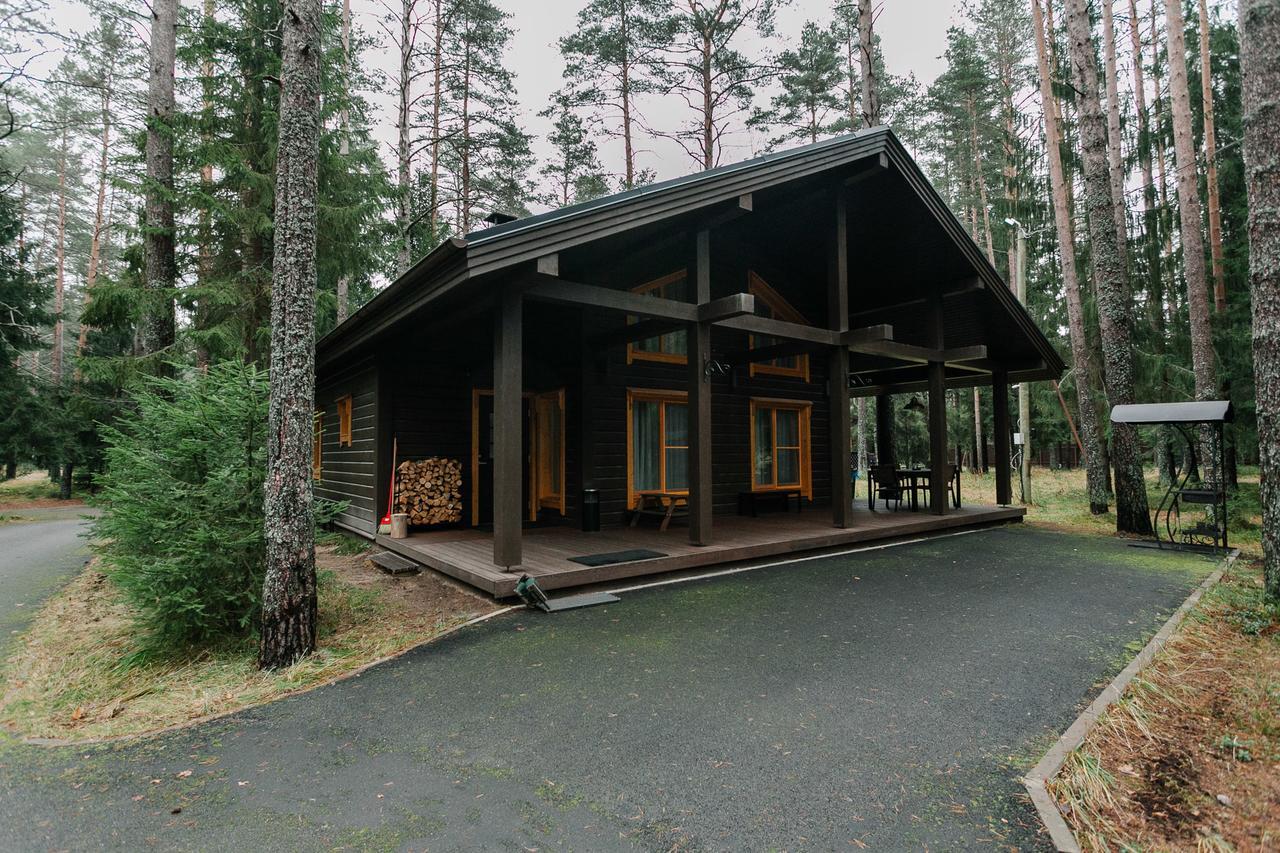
pixel 317 440
pixel 344 420
pixel 780 449
pixel 549 452
pixel 657 443
pixel 770 304
pixel 673 346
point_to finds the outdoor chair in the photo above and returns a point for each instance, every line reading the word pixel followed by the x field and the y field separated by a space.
pixel 884 484
pixel 953 484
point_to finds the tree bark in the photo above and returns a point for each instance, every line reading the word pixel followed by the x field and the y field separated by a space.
pixel 404 254
pixel 1260 96
pixel 99 221
pixel 1090 431
pixel 437 82
pixel 1110 280
pixel 204 268
pixel 1184 151
pixel 60 280
pixel 866 58
pixel 1115 160
pixel 1211 163
pixel 289 591
pixel 160 270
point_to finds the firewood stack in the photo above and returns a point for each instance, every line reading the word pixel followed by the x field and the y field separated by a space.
pixel 429 490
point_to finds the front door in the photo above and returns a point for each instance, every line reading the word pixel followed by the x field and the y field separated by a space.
pixel 482 456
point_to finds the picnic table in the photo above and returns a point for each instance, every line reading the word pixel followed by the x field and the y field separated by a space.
pixel 664 505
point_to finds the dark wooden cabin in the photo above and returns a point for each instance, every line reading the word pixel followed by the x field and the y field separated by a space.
pixel 700 336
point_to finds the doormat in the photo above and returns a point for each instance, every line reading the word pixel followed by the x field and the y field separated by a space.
pixel 617 557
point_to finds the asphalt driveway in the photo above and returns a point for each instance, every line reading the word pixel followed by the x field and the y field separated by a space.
pixel 40 547
pixel 888 698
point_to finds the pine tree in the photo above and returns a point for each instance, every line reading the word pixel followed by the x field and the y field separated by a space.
pixel 707 67
pixel 809 106
pixel 1110 280
pixel 1211 163
pixel 158 326
pixel 610 59
pixel 289 589
pixel 1260 72
pixel 574 171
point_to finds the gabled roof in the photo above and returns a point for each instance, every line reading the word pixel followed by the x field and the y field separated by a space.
pixel 454 263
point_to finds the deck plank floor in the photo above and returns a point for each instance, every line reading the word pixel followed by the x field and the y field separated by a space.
pixel 467 555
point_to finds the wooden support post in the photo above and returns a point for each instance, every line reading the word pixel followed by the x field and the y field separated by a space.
pixel 508 429
pixel 885 454
pixel 938 449
pixel 1000 426
pixel 699 354
pixel 838 368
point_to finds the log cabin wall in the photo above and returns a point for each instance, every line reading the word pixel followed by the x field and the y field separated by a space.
pixel 347 472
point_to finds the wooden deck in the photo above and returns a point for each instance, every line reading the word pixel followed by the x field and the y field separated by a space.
pixel 468 554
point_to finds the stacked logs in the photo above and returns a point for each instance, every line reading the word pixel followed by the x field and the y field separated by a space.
pixel 429 490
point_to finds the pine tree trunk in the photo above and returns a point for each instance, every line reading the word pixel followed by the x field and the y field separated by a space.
pixel 65 482
pixel 1115 160
pixel 344 143
pixel 289 591
pixel 1202 355
pixel 160 271
pixel 866 59
pixel 628 149
pixel 1158 135
pixel 60 280
pixel 708 114
pixel 404 253
pixel 1090 430
pixel 437 81
pixel 99 222
pixel 1109 277
pixel 978 439
pixel 1260 96
pixel 204 266
pixel 1211 163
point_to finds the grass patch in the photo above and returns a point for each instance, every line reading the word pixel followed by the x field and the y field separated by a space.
pixel 33 488
pixel 76 674
pixel 1188 757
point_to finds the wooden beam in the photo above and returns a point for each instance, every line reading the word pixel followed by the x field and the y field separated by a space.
pixel 1000 426
pixel 879 332
pixel 938 451
pixel 782 329
pixel 508 429
pixel 918 354
pixel 562 292
pixel 968 288
pixel 743 206
pixel 701 485
pixel 726 308
pixel 877 165
pixel 840 420
pixel 549 265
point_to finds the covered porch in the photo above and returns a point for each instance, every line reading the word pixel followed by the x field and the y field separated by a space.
pixel 467 555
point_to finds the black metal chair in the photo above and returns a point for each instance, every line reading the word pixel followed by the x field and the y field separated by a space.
pixel 884 484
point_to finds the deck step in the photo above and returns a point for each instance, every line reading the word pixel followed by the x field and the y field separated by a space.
pixel 394 564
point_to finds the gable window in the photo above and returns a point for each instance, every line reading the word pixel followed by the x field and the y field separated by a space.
pixel 780 456
pixel 673 346
pixel 344 421
pixel 657 442
pixel 317 439
pixel 549 451
pixel 771 305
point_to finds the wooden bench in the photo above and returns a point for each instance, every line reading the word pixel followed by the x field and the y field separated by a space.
pixel 748 502
pixel 664 505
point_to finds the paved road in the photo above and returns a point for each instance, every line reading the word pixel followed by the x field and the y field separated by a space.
pixel 888 698
pixel 37 553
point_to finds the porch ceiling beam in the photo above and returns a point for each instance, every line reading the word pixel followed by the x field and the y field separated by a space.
pixel 727 308
pixel 918 354
pixel 867 334
pixel 878 164
pixel 782 329
pixel 741 207
pixel 967 288
pixel 551 289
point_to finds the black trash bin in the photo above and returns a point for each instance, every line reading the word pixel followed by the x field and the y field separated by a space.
pixel 590 511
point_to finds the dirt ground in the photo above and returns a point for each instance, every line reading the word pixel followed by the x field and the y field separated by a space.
pixel 1190 757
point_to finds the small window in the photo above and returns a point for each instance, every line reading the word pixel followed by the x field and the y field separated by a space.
pixel 344 421
pixel 317 439
pixel 549 439
pixel 780 446
pixel 771 305
pixel 657 442
pixel 673 346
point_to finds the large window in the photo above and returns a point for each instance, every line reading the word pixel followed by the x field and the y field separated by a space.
pixel 657 442
pixel 673 346
pixel 549 450
pixel 780 445
pixel 770 304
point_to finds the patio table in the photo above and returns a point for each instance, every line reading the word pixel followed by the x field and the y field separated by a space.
pixel 917 480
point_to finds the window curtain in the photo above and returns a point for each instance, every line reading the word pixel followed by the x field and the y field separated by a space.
pixel 677 446
pixel 646 445
pixel 764 447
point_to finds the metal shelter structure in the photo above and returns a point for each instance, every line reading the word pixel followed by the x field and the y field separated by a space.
pixel 1210 495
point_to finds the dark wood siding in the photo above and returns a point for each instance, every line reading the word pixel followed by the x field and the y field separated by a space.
pixel 348 472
